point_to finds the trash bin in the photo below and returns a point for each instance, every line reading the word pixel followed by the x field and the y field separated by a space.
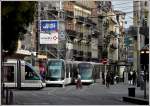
pixel 131 92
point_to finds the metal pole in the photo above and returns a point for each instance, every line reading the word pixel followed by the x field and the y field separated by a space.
pixel 59 14
pixel 138 45
pixel 144 81
pixel 38 26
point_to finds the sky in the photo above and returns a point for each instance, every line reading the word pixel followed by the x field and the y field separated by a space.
pixel 125 6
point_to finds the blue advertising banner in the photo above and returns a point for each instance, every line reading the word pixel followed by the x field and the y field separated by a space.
pixel 48 25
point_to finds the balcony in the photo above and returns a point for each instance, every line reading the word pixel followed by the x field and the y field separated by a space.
pixel 80 35
pixel 79 54
pixel 94 24
pixel 89 54
pixel 132 31
pixel 74 52
pixel 88 22
pixel 88 40
pixel 112 33
pixel 80 19
pixel 69 15
pixel 53 10
pixel 70 30
pixel 95 33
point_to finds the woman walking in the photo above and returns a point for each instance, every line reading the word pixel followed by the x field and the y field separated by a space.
pixel 79 84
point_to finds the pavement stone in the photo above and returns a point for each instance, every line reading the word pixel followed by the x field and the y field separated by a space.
pixel 94 94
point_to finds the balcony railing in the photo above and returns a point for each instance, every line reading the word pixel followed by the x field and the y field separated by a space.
pixel 69 14
pixel 89 54
pixel 88 22
pixel 132 31
pixel 80 19
pixel 74 52
pixel 79 54
pixel 70 30
pixel 95 33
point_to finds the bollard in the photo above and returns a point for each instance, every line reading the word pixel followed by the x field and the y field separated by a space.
pixel 11 97
pixel 3 91
pixel 6 95
pixel 131 92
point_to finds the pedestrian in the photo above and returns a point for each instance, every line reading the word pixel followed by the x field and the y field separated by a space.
pixel 130 78
pixel 42 70
pixel 79 83
pixel 103 78
pixel 111 78
pixel 134 77
pixel 108 79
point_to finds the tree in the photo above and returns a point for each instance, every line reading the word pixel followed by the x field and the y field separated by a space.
pixel 16 17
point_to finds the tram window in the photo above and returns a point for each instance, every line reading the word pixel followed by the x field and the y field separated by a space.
pixel 63 71
pixel 67 70
pixel 30 74
pixel 9 74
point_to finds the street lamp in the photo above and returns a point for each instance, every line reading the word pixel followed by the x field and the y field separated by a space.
pixel 144 61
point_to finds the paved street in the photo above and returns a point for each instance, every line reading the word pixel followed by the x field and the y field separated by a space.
pixel 96 94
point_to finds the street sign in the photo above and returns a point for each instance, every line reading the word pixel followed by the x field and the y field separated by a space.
pixel 48 25
pixel 104 61
pixel 62 35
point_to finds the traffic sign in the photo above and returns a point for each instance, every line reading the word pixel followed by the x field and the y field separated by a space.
pixel 62 35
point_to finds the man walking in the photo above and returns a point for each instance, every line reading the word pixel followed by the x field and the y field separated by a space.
pixel 134 77
pixel 108 78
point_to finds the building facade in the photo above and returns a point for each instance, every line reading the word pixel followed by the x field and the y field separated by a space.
pixel 141 20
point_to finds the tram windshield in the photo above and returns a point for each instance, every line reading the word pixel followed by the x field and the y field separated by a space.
pixel 54 69
pixel 31 73
pixel 85 70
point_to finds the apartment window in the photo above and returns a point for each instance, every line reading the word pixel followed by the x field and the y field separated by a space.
pixel 145 3
pixel 8 73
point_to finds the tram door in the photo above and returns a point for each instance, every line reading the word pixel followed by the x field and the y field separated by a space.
pixel 68 72
pixel 10 75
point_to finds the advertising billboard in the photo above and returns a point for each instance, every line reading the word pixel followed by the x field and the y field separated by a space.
pixel 48 25
pixel 49 32
pixel 49 38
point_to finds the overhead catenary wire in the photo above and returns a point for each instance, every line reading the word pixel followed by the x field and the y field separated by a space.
pixel 127 6
pixel 123 3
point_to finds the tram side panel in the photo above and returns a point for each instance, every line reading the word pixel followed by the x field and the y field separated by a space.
pixel 11 73
pixel 68 75
pixel 31 78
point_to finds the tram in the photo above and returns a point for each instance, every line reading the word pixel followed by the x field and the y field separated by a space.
pixel 63 72
pixel 20 74
pixel 85 69
pixel 58 72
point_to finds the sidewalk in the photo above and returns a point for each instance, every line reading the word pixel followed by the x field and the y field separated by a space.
pixel 139 95
pixel 123 87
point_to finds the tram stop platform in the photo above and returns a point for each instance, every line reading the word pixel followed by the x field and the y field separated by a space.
pixel 136 95
pixel 136 100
